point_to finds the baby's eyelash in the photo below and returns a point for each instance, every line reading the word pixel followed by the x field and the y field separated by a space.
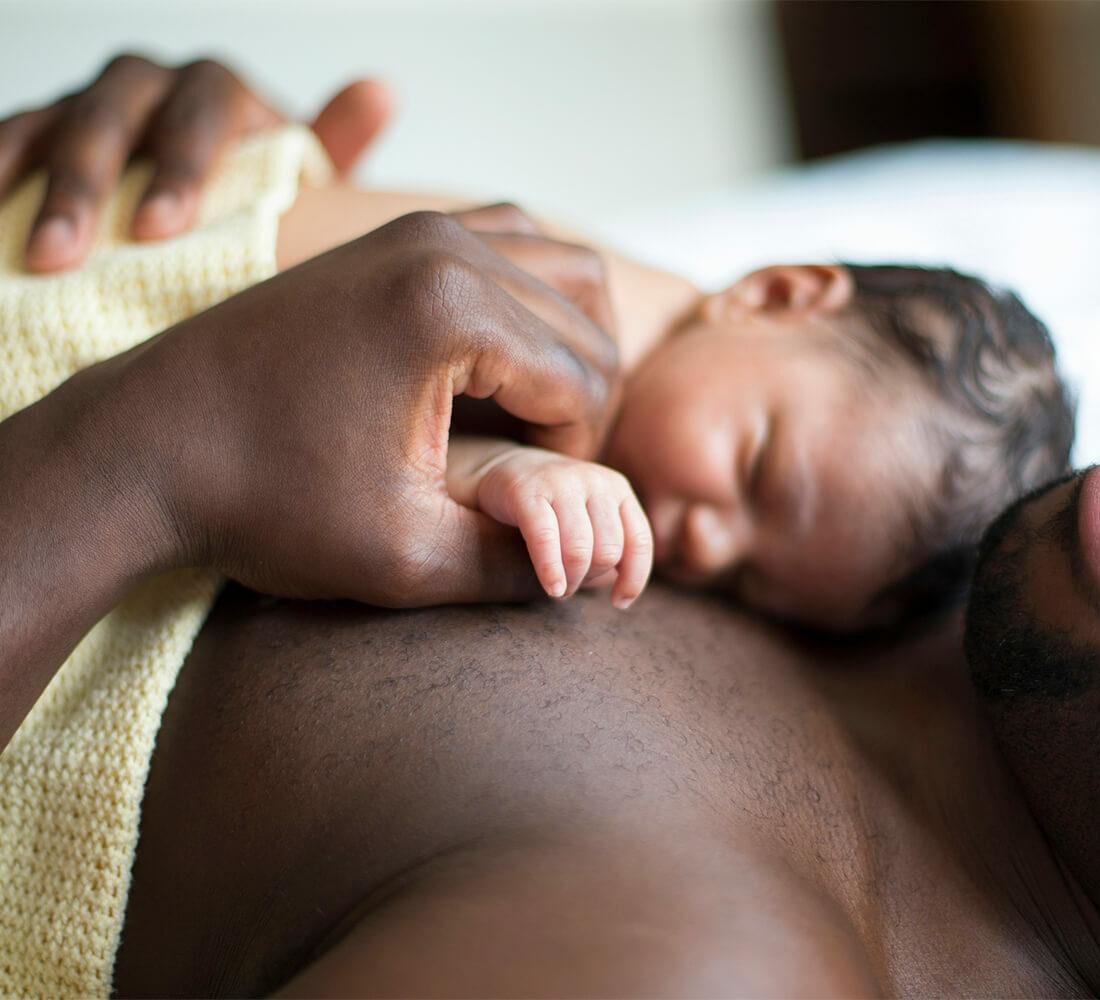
pixel 752 481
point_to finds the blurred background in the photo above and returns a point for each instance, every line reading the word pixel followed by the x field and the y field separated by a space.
pixel 604 106
pixel 707 136
pixel 578 107
pixel 862 73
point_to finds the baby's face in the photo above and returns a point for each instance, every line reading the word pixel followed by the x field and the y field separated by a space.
pixel 774 466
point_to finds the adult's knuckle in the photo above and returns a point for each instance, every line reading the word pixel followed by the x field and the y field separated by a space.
pixel 513 218
pixel 426 229
pixel 203 93
pixel 15 127
pixel 130 65
pixel 588 264
pixel 434 288
pixel 208 71
pixel 69 184
pixel 186 110
pixel 94 112
pixel 176 171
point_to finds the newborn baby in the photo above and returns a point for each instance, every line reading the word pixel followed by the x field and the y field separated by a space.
pixel 824 442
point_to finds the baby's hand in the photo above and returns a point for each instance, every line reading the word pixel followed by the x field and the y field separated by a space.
pixel 582 522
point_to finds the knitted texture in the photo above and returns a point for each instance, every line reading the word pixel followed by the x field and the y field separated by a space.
pixel 72 778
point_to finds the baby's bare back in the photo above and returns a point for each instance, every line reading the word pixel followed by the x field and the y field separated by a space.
pixel 468 800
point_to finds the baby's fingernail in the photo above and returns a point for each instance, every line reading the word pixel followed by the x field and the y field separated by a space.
pixel 556 589
pixel 622 603
pixel 52 236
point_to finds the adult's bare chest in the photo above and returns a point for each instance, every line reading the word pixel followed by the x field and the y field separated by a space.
pixel 314 757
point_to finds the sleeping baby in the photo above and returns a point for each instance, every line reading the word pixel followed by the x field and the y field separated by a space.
pixel 823 442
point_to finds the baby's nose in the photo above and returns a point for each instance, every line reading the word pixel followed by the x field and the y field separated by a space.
pixel 713 540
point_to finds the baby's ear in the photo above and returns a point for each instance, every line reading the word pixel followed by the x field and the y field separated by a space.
pixel 789 288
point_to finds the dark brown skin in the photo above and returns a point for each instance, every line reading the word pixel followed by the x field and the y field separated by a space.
pixel 180 119
pixel 562 800
pixel 294 438
pixel 536 800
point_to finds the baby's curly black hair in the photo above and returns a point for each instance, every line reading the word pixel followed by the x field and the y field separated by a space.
pixel 1007 421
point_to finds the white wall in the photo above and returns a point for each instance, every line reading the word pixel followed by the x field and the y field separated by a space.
pixel 584 109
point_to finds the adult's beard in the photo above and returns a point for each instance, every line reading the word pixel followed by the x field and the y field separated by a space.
pixel 1012 654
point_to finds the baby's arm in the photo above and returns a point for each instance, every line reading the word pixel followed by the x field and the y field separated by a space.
pixel 582 522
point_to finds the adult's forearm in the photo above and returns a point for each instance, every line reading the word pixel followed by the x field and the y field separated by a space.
pixel 77 530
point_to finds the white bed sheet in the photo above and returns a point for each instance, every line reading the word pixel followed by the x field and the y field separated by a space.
pixel 1022 215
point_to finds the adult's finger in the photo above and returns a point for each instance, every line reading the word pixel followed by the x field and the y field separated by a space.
pixel 89 143
pixel 503 217
pixel 520 263
pixel 19 137
pixel 572 270
pixel 206 107
pixel 350 122
pixel 569 331
pixel 471 557
pixel 510 337
pixel 541 360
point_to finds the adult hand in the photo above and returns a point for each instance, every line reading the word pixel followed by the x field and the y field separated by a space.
pixel 575 271
pixel 294 438
pixel 305 451
pixel 179 117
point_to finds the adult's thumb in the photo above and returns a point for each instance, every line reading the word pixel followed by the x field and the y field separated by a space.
pixel 349 123
pixel 480 560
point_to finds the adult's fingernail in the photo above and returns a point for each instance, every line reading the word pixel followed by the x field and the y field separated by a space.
pixel 159 213
pixel 52 237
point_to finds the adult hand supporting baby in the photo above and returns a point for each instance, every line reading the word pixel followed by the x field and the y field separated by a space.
pixel 294 438
pixel 181 118
pixel 574 270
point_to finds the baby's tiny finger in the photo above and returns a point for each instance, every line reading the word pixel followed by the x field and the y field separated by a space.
pixel 637 561
pixel 607 527
pixel 576 539
pixel 538 523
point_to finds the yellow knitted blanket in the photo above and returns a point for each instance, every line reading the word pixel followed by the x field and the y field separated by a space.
pixel 71 780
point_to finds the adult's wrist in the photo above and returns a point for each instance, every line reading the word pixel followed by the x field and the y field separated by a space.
pixel 80 524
